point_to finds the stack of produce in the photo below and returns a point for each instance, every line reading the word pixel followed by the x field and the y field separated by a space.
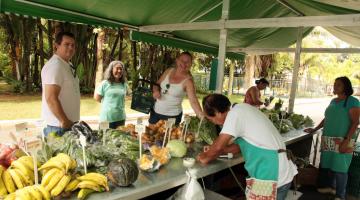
pixel 9 153
pixel 158 157
pixel 207 130
pixel 88 183
pixel 286 122
pixel 154 133
pixel 37 192
pixel 19 175
pixel 123 172
pixel 57 174
pixel 118 145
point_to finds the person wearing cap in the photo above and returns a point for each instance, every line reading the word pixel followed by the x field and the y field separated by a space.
pixel 252 95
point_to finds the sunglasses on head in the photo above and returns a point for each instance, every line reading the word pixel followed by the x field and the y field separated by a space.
pixel 167 88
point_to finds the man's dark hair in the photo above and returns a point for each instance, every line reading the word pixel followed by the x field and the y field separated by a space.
pixel 213 103
pixel 60 35
pixel 348 89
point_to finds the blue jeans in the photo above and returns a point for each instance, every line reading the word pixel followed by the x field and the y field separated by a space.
pixel 336 180
pixel 114 125
pixel 58 130
pixel 282 191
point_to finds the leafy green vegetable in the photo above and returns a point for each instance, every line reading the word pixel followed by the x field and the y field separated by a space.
pixel 207 132
pixel 177 148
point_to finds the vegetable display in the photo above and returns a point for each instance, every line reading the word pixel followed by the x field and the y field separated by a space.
pixel 207 131
pixel 123 172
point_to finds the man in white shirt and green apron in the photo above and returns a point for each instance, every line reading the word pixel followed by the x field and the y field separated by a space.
pixel 271 172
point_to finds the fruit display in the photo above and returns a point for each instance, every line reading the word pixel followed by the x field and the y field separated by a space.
pixel 19 175
pixel 29 193
pixel 56 173
pixel 58 179
pixel 9 153
pixel 123 172
pixel 158 156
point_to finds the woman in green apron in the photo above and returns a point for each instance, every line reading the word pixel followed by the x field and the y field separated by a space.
pixel 261 145
pixel 337 142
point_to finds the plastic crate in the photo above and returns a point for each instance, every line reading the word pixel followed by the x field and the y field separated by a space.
pixel 142 99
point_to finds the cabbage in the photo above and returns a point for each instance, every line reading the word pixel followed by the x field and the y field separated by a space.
pixel 177 148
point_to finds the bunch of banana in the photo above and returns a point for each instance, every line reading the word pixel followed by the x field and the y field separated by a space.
pixel 35 192
pixel 3 190
pixel 88 183
pixel 19 175
pixel 61 161
pixel 56 177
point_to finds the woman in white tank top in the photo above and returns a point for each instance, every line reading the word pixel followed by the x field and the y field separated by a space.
pixel 175 84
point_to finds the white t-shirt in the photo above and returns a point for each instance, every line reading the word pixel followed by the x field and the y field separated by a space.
pixel 249 123
pixel 58 72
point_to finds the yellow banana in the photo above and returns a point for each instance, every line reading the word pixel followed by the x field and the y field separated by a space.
pixel 96 177
pixel 47 177
pixel 64 158
pixel 54 180
pixel 45 194
pixel 89 185
pixel 3 190
pixel 36 194
pixel 60 186
pixel 25 179
pixel 73 164
pixel 8 181
pixel 72 185
pixel 2 169
pixel 11 196
pixel 53 164
pixel 16 178
pixel 23 168
pixel 22 195
pixel 83 193
pixel 27 161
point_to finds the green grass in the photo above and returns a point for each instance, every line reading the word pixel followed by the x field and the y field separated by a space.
pixel 14 107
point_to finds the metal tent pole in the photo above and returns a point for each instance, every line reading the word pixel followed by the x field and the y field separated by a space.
pixel 222 48
pixel 295 75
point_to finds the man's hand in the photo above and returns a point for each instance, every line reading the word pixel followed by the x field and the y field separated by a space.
pixel 202 158
pixel 66 124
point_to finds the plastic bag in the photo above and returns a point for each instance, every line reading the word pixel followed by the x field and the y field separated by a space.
pixel 192 190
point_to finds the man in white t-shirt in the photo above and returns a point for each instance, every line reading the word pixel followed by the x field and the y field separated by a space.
pixel 261 145
pixel 60 87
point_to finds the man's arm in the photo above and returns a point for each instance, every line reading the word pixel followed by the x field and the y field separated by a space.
pixel 215 149
pixel 51 96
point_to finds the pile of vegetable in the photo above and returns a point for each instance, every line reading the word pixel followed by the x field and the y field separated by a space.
pixel 207 131
pixel 285 121
pixel 118 145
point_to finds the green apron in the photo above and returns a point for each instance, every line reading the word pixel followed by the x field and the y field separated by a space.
pixel 263 168
pixel 336 125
